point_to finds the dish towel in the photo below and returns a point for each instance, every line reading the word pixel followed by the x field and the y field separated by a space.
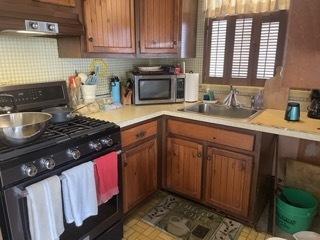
pixel 107 177
pixel 79 193
pixel 45 214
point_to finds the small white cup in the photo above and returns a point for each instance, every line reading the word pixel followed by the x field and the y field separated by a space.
pixel 88 93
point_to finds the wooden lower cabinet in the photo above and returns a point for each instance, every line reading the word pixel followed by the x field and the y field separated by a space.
pixel 228 180
pixel 184 166
pixel 140 173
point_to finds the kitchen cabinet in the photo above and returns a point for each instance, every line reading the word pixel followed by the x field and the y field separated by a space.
pixel 184 164
pixel 302 54
pixel 140 160
pixel 159 26
pixel 134 29
pixel 70 3
pixel 110 26
pixel 228 180
pixel 222 167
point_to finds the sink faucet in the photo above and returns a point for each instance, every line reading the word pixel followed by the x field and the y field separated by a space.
pixel 231 100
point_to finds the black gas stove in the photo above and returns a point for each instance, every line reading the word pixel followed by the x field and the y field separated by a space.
pixel 61 147
pixel 78 127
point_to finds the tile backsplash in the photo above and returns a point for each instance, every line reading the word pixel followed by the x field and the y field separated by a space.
pixel 33 59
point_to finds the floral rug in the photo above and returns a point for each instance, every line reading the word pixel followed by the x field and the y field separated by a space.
pixel 190 221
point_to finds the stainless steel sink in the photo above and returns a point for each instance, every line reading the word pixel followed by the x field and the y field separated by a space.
pixel 220 110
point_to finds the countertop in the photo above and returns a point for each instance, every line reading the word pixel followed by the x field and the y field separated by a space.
pixel 269 120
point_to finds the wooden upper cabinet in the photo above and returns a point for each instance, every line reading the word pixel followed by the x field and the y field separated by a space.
pixel 110 26
pixel 184 166
pixel 140 173
pixel 228 180
pixel 159 26
pixel 302 54
pixel 69 3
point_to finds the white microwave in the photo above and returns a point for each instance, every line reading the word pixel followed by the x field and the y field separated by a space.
pixel 155 89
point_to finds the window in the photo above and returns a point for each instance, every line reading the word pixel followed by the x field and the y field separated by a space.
pixel 244 49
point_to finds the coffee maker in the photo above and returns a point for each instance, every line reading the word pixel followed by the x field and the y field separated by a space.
pixel 314 108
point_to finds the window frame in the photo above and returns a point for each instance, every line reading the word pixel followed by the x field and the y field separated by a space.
pixel 258 19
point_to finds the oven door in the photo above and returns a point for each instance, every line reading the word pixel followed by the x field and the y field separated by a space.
pixel 154 89
pixel 110 214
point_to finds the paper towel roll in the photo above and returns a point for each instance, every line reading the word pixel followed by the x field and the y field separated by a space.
pixel 192 87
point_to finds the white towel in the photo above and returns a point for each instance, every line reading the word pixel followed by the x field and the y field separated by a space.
pixel 45 209
pixel 79 193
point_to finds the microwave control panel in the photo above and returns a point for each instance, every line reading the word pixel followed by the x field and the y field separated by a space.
pixel 180 89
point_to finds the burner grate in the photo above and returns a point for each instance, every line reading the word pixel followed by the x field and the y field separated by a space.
pixel 55 133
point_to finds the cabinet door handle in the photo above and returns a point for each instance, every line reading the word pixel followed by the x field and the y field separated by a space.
pixel 174 43
pixel 199 155
pixel 124 159
pixel 90 39
pixel 141 134
pixel 214 138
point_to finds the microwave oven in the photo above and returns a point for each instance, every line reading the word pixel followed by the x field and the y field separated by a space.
pixel 155 89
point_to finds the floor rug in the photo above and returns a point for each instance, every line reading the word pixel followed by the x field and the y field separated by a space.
pixel 190 221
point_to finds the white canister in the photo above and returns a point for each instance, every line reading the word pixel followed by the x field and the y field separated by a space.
pixel 88 93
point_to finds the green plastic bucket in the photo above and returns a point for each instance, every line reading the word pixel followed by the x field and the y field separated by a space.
pixel 295 210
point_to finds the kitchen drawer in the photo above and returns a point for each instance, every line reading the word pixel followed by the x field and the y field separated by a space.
pixel 138 133
pixel 211 134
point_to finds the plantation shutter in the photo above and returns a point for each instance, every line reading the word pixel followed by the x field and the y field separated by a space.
pixel 217 51
pixel 268 50
pixel 241 49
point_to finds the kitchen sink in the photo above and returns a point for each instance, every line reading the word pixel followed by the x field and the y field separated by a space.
pixel 220 110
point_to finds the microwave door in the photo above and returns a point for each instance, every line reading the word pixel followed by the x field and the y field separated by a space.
pixel 155 90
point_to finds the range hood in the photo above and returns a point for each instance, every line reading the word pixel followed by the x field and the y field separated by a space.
pixel 29 17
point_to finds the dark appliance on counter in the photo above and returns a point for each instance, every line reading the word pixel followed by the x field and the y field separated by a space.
pixel 61 147
pixel 314 108
pixel 157 88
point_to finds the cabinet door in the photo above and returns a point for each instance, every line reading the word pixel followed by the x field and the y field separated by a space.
pixel 110 26
pixel 184 164
pixel 228 180
pixel 159 26
pixel 140 173
pixel 70 3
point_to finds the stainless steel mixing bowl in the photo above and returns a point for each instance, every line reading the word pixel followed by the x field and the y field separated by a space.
pixel 21 128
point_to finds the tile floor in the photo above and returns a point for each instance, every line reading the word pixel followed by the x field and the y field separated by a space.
pixel 136 229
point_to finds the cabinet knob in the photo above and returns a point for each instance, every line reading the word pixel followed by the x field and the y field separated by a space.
pixel 174 43
pixel 141 134
pixel 199 155
pixel 90 39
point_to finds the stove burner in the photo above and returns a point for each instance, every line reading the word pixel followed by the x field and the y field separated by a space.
pixel 55 133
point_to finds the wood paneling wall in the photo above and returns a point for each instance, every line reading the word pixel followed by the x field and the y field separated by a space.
pixel 302 55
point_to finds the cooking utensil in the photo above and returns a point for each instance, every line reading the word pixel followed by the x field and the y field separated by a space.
pixel 21 128
pixel 62 114
pixel 292 112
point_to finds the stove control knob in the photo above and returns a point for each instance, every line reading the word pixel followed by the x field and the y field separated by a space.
pixel 95 145
pixel 107 141
pixel 29 169
pixel 74 153
pixel 47 163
